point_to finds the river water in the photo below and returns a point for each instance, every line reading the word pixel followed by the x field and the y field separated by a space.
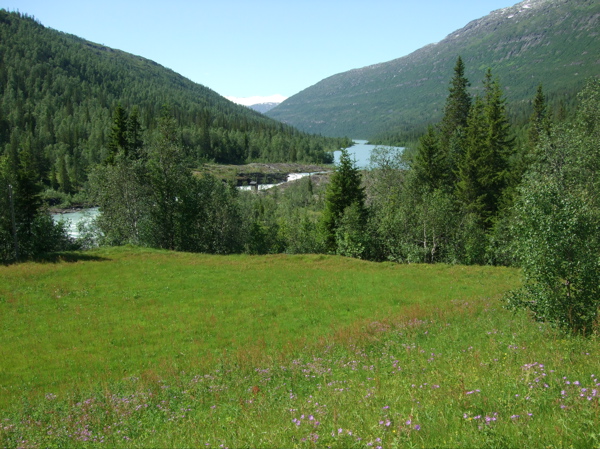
pixel 360 152
pixel 75 217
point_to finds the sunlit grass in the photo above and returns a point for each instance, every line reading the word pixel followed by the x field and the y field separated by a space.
pixel 153 349
pixel 133 310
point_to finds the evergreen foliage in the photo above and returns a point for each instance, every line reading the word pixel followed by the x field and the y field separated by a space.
pixel 458 104
pixel 156 201
pixel 345 195
pixel 26 228
pixel 66 99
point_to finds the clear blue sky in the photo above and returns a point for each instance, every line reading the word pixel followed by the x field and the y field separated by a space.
pixel 244 48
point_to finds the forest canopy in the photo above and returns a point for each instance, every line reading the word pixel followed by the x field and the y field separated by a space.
pixel 59 95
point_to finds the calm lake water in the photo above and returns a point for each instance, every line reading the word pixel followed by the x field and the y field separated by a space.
pixel 361 152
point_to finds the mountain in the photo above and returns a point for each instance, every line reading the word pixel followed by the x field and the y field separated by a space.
pixel 59 92
pixel 263 107
pixel 259 104
pixel 553 42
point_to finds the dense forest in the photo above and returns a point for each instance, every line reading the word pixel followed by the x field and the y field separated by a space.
pixel 61 95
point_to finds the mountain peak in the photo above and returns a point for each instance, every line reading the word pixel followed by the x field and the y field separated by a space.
pixel 250 101
pixel 549 42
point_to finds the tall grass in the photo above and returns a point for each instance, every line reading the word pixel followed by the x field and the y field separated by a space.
pixel 152 349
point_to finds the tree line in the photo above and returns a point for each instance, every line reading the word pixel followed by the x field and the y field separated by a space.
pixel 59 94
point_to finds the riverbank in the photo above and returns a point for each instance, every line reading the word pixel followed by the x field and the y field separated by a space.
pixel 261 173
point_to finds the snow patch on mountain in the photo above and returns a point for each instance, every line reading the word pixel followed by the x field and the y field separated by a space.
pixel 249 101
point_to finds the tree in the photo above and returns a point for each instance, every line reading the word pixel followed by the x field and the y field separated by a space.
pixel 539 124
pixel 556 236
pixel 26 228
pixel 343 191
pixel 118 141
pixel 169 182
pixel 429 163
pixel 469 190
pixel 483 170
pixel 458 104
pixel 456 113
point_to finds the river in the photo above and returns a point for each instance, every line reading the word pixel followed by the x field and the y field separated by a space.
pixel 360 152
pixel 75 217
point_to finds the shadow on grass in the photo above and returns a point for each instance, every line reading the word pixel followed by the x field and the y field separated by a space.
pixel 69 257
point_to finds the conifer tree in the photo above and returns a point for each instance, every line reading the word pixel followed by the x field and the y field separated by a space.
pixel 343 191
pixel 483 171
pixel 429 163
pixel 134 134
pixel 538 122
pixel 499 142
pixel 118 136
pixel 458 104
pixel 468 188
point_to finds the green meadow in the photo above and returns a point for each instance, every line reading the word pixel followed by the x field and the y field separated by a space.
pixel 130 347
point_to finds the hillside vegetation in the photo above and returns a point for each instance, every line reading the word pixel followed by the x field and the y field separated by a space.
pixel 59 99
pixel 549 42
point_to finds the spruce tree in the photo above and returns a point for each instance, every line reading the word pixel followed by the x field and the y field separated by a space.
pixel 458 104
pixel 538 122
pixel 499 143
pixel 483 171
pixel 468 188
pixel 134 134
pixel 429 162
pixel 117 142
pixel 344 190
pixel 456 113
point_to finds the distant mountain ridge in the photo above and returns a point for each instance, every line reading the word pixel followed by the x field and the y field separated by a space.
pixel 259 104
pixel 263 107
pixel 554 42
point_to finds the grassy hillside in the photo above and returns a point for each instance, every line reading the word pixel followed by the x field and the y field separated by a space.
pixel 121 310
pixel 139 348
pixel 553 42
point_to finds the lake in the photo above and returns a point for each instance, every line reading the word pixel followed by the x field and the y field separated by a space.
pixel 361 152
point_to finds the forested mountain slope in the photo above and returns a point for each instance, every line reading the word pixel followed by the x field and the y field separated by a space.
pixel 59 93
pixel 553 42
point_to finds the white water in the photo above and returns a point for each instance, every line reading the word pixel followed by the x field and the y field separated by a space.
pixel 74 218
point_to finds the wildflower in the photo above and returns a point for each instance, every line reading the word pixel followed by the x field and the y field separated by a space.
pixel 417 427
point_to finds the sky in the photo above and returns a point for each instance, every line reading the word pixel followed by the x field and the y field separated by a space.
pixel 244 48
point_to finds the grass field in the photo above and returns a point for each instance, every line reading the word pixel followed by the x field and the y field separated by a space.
pixel 131 347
